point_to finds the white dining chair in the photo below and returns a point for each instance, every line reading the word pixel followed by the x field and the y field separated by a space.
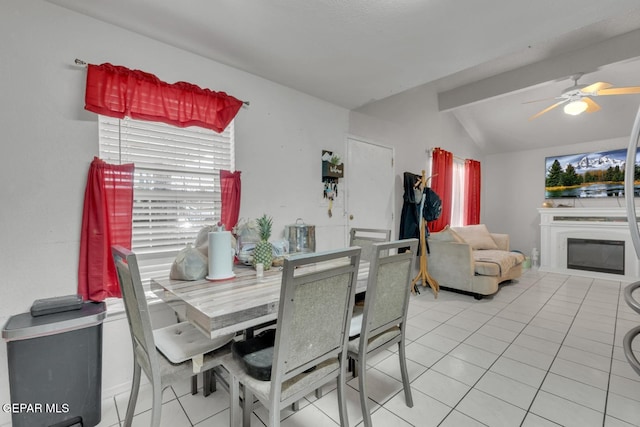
pixel 165 355
pixel 310 340
pixel 382 323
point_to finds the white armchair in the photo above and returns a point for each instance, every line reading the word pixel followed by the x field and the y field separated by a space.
pixel 472 260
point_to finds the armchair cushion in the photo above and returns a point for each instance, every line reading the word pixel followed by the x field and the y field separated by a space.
pixel 495 262
pixel 477 236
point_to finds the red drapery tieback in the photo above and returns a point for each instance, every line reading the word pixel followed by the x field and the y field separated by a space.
pixel 230 187
pixel 442 184
pixel 117 91
pixel 106 221
pixel 472 192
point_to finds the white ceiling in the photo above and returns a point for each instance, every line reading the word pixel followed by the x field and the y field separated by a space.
pixel 486 57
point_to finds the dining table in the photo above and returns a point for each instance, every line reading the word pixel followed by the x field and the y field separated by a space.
pixel 237 304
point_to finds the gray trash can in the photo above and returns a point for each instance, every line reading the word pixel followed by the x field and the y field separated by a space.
pixel 55 367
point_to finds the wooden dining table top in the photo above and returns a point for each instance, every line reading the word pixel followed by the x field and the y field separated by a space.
pixel 221 307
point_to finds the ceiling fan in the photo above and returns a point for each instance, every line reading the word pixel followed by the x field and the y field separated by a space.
pixel 577 98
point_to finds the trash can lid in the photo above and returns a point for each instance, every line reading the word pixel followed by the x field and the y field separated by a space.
pixel 25 326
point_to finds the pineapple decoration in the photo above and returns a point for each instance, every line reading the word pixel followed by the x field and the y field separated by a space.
pixel 263 252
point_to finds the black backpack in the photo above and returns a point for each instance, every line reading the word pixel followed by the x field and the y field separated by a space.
pixel 432 205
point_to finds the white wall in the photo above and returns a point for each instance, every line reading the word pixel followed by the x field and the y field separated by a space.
pixel 49 141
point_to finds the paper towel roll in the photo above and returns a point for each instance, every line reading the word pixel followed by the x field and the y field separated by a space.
pixel 220 256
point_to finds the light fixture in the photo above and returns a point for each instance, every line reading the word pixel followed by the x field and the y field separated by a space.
pixel 575 107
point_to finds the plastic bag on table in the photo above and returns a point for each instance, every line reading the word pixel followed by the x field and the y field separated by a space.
pixel 190 264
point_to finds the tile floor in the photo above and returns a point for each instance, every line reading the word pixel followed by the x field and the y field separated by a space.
pixel 544 351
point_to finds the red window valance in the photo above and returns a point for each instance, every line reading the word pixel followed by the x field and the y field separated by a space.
pixel 117 91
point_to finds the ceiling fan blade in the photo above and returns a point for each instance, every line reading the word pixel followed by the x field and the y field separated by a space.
pixel 547 109
pixel 598 86
pixel 592 107
pixel 620 91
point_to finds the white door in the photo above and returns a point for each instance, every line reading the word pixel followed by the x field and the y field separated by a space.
pixel 370 180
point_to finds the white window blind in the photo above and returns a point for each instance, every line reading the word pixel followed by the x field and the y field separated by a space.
pixel 176 183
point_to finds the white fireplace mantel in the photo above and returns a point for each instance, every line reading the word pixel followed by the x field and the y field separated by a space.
pixel 559 224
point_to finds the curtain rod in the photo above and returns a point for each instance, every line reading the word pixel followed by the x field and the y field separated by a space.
pixel 430 151
pixel 82 63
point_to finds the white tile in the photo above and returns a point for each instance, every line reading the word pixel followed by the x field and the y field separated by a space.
pixel 145 398
pixel 437 342
pixel 507 389
pixel 575 391
pixel 426 410
pixel 309 416
pixel 458 369
pixel 484 342
pixel 391 367
pixel 544 333
pixel 441 387
pixel 624 409
pixel 172 415
pixel 506 324
pixel 474 355
pixel 519 371
pixel 458 419
pixel 584 358
pixel 592 334
pixel 497 333
pixel 624 369
pixel 199 408
pixel 383 417
pixel 425 356
pixel 589 345
pixel 328 404
pixel 533 420
pixel 221 419
pixel 464 323
pixel 538 344
pixel 490 410
pixel 565 412
pixel 584 374
pixel 625 387
pixel 380 386
pixel 529 356
pixel 452 332
pixel 609 421
pixel 515 316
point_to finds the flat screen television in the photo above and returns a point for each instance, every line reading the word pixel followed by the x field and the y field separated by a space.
pixel 588 175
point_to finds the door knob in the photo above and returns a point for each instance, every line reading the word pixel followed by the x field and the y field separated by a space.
pixel 351 216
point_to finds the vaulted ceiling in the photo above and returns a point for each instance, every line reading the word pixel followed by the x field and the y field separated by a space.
pixel 486 58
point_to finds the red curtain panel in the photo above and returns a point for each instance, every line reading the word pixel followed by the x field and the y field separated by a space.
pixel 117 91
pixel 106 221
pixel 441 183
pixel 472 192
pixel 230 186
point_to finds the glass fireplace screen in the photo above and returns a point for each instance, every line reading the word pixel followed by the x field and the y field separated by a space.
pixel 604 256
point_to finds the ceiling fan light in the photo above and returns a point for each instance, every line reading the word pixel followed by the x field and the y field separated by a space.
pixel 575 107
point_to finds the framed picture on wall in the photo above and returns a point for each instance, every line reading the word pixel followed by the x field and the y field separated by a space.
pixel 588 175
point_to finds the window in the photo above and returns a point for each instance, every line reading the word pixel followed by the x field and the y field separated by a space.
pixel 457 196
pixel 176 183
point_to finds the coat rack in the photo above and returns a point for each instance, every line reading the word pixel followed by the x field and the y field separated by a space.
pixel 423 275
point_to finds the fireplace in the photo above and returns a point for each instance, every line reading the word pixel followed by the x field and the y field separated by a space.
pixel 604 256
pixel 559 225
